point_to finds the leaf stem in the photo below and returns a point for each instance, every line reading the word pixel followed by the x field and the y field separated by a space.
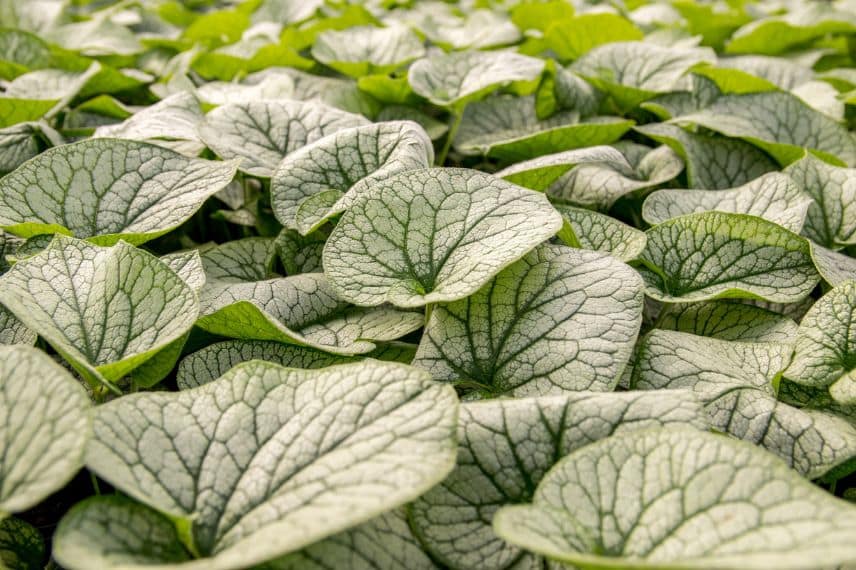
pixel 457 115
pixel 95 485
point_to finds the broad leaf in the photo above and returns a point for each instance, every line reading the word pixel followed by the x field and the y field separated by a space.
pixel 774 197
pixel 454 79
pixel 188 266
pixel 330 449
pixel 214 360
pixel 783 520
pixel 557 320
pixel 13 331
pixel 272 87
pixel 831 220
pixel 776 34
pixel 590 230
pixel 714 255
pixel 712 161
pixel 825 352
pixel 108 189
pixel 21 546
pixel 434 235
pixel 248 259
pixel 23 141
pixel 300 254
pixel 573 37
pixel 363 50
pixel 778 123
pixel 261 133
pixel 303 310
pixel 834 267
pixel 324 178
pixel 728 320
pixel 539 173
pixel 46 423
pixel 105 310
pixel 507 446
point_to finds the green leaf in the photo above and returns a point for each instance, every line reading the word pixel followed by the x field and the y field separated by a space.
pixel 331 449
pixel 324 178
pixel 715 255
pixel 508 129
pixel 702 481
pixel 831 220
pixel 776 34
pixel 590 230
pixel 364 50
pixel 108 189
pixel 105 310
pixel 779 123
pixel 633 72
pixel 454 79
pixel 825 351
pixel 507 446
pixel 261 133
pixel 574 93
pixel 541 15
pixel 834 267
pixel 303 310
pixel 20 52
pixel 14 111
pixel 774 197
pixel 715 22
pixel 539 173
pixel 214 360
pixel 570 38
pixel 21 546
pixel 600 185
pixel 728 320
pixel 434 235
pixel 46 422
pixel 558 320
pixel 712 161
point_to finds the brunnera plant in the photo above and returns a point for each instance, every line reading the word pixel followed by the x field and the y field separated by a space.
pixel 292 285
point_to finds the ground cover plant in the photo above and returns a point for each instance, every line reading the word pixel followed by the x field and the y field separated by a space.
pixel 415 285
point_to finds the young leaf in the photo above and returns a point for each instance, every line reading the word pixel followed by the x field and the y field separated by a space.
pixel 105 310
pixel 714 255
pixel 324 178
pixel 702 482
pixel 330 449
pixel 774 197
pixel 454 79
pixel 434 235
pixel 303 310
pixel 559 319
pixel 825 351
pixel 831 220
pixel 261 133
pixel 589 230
pixel 108 189
pixel 46 423
pixel 506 447
pixel 363 50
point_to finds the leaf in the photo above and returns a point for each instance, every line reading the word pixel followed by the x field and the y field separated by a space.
pixel 557 320
pixel 774 197
pixel 46 422
pixel 23 141
pixel 105 310
pixel 108 189
pixel 303 310
pixel 507 446
pixel 188 266
pixel 211 362
pixel 633 72
pixel 728 320
pixel 825 351
pixel 454 79
pixel 475 29
pixel 778 123
pixel 776 34
pixel 831 220
pixel 300 254
pixel 712 161
pixel 834 267
pixel 248 259
pixel 261 133
pixel 359 452
pixel 715 255
pixel 171 123
pixel 572 37
pixel 13 331
pixel 324 178
pixel 21 546
pixel 363 50
pixel 574 93
pixel 782 520
pixel 271 87
pixel 434 235
pixel 539 173
pixel 20 52
pixel 600 185
pixel 589 230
